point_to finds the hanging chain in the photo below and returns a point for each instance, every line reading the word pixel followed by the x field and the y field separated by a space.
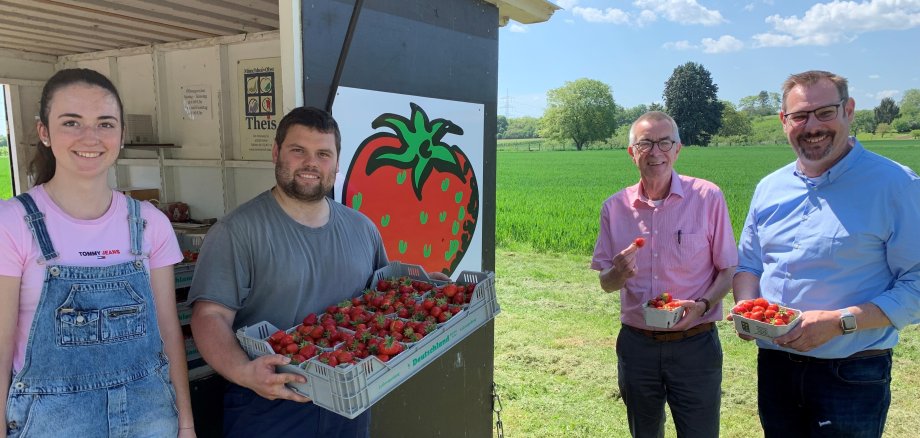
pixel 497 408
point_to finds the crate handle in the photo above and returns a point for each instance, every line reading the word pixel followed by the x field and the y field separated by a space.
pixel 263 331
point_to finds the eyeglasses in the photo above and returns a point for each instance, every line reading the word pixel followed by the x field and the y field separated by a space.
pixel 646 146
pixel 823 114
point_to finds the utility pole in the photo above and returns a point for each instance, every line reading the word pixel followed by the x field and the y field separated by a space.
pixel 507 106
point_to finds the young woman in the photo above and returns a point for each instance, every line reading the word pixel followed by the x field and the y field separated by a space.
pixel 90 344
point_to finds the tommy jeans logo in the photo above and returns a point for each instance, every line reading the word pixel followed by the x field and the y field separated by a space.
pixel 99 254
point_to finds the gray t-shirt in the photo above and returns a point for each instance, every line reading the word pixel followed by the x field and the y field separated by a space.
pixel 259 261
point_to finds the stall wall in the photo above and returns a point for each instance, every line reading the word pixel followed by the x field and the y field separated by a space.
pixel 441 49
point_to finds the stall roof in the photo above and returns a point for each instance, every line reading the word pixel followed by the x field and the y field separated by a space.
pixel 66 27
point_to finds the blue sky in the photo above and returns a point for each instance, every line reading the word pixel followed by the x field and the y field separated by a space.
pixel 746 45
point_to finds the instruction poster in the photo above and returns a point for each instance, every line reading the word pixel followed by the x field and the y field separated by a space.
pixel 260 82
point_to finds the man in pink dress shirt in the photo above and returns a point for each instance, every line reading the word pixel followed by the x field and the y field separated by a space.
pixel 690 252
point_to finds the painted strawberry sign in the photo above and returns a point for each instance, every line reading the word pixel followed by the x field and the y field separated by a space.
pixel 420 191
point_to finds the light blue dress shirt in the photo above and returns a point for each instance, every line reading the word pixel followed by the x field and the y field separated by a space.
pixel 847 237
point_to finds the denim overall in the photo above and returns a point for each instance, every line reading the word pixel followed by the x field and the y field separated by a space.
pixel 94 365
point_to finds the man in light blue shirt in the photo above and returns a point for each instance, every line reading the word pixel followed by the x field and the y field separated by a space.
pixel 835 234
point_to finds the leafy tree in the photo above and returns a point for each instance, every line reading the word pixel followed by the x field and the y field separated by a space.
pixel 915 134
pixel 886 111
pixel 909 118
pixel 655 106
pixel 501 125
pixel 522 127
pixel 863 121
pixel 3 143
pixel 734 122
pixel 910 104
pixel 582 111
pixel 626 116
pixel 905 124
pixel 882 128
pixel 761 104
pixel 690 98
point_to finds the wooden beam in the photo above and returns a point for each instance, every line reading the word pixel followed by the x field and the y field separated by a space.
pixel 146 33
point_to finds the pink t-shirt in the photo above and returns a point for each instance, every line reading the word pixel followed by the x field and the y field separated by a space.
pixel 695 210
pixel 98 242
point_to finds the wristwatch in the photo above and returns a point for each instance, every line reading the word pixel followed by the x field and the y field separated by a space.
pixel 847 321
pixel 706 302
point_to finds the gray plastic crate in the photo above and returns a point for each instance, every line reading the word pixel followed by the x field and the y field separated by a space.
pixel 351 389
pixel 183 273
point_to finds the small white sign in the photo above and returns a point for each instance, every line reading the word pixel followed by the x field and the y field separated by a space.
pixel 196 102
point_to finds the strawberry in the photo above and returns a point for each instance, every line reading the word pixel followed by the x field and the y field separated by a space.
pixel 421 192
pixel 640 242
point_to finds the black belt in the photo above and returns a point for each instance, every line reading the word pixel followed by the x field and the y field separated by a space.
pixel 663 336
pixel 859 354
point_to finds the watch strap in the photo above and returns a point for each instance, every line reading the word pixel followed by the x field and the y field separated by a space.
pixel 706 302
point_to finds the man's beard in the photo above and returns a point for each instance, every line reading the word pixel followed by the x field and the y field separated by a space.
pixel 812 154
pixel 288 184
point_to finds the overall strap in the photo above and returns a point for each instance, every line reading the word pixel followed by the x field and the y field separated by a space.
pixel 136 225
pixel 35 219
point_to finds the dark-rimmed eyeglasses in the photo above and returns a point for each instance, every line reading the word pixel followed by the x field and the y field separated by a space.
pixel 823 114
pixel 645 145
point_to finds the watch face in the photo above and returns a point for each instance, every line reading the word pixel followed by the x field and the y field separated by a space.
pixel 848 323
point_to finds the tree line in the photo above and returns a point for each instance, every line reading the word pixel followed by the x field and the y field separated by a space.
pixel 583 112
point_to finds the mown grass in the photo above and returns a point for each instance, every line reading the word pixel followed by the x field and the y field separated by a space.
pixel 555 364
pixel 6 179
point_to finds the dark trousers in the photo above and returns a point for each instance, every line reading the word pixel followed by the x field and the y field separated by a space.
pixel 686 374
pixel 246 415
pixel 799 396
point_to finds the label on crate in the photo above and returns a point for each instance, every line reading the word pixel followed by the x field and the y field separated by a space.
pixel 433 349
pixel 184 313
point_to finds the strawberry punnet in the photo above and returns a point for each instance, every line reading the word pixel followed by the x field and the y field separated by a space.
pixel 421 193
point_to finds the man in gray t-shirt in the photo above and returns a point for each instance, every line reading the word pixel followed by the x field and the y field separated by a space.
pixel 266 266
pixel 288 252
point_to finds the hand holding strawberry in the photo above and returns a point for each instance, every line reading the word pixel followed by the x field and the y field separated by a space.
pixel 624 267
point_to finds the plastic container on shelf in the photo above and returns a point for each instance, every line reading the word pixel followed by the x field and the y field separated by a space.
pixel 183 273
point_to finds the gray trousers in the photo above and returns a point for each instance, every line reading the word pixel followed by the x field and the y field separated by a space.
pixel 687 374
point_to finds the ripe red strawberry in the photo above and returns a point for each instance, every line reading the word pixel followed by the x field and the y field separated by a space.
pixel 420 191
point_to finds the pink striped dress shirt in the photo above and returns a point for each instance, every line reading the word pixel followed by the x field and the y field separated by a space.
pixel 688 239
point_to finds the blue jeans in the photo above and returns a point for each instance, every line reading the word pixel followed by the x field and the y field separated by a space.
pixel 687 374
pixel 246 414
pixel 799 396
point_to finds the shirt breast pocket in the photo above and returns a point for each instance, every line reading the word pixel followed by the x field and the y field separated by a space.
pixel 692 252
pixel 101 313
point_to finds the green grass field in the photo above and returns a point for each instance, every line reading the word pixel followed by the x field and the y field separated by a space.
pixel 6 179
pixel 555 364
pixel 537 190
